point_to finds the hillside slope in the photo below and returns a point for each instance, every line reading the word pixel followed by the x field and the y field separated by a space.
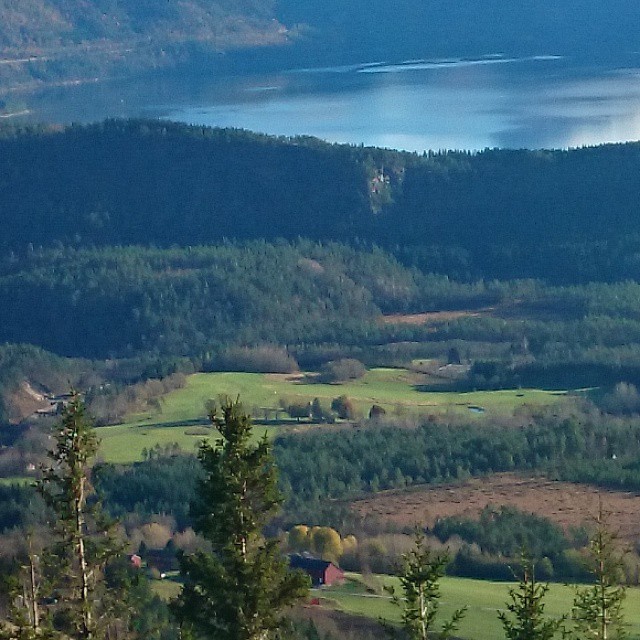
pixel 51 23
pixel 73 40
pixel 566 216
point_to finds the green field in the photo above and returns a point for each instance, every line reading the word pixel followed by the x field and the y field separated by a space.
pixel 124 443
pixel 394 389
pixel 482 598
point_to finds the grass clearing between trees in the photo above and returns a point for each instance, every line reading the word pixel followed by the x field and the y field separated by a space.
pixel 482 598
pixel 397 390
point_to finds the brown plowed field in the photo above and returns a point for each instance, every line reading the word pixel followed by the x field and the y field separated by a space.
pixel 565 503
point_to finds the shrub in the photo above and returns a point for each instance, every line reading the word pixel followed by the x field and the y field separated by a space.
pixel 342 370
pixel 260 359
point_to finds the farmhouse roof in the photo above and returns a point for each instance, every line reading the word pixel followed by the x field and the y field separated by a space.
pixel 308 563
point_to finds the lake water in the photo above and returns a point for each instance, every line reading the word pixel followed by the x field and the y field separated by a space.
pixel 539 102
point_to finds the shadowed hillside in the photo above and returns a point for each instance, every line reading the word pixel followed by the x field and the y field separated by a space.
pixel 566 216
pixel 366 30
pixel 44 41
pixel 62 40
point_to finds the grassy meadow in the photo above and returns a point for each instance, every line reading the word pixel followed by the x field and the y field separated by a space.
pixel 482 598
pixel 397 390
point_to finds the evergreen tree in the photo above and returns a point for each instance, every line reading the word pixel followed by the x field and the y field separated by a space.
pixel 21 583
pixel 85 543
pixel 526 608
pixel 238 590
pixel 420 601
pixel 597 610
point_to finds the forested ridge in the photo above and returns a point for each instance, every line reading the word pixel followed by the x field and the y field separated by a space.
pixel 170 248
pixel 57 41
pixel 46 22
pixel 319 301
pixel 564 216
pixel 138 252
pixel 62 40
pixel 119 183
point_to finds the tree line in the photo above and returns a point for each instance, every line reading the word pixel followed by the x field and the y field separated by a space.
pixel 275 306
pixel 495 214
pixel 587 448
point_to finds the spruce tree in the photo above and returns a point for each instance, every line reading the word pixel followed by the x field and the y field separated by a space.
pixel 21 584
pixel 238 590
pixel 420 600
pixel 597 609
pixel 526 608
pixel 86 610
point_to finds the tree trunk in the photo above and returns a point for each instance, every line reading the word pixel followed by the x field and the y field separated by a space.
pixel 82 561
pixel 33 591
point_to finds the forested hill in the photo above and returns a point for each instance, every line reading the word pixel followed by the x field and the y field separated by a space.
pixel 62 40
pixel 566 216
pixel 51 23
pixel 150 183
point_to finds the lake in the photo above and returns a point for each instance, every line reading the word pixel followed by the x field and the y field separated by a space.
pixel 538 102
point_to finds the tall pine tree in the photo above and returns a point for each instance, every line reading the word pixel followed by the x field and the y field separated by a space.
pixel 238 590
pixel 84 542
pixel 420 599
pixel 526 619
pixel 597 610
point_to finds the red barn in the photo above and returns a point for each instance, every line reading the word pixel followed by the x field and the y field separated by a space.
pixel 321 572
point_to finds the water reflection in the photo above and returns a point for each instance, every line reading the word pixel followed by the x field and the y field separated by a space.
pixel 417 105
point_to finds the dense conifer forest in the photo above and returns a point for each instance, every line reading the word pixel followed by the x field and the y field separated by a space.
pixel 135 253
pixel 563 216
pixel 537 250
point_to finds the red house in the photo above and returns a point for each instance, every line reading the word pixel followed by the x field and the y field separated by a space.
pixel 136 561
pixel 321 572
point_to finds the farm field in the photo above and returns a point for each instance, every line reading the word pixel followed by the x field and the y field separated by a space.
pixel 397 390
pixel 482 598
pixel 122 444
pixel 564 503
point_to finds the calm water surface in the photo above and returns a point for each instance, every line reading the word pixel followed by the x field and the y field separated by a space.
pixel 537 102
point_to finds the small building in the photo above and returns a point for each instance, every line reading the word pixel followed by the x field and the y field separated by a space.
pixel 136 561
pixel 321 572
